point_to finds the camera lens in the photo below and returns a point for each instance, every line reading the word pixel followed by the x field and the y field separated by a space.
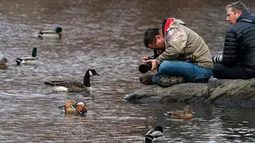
pixel 143 68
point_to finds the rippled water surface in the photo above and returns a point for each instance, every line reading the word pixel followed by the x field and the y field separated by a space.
pixel 106 36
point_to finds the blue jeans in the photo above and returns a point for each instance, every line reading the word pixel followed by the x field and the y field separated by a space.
pixel 191 72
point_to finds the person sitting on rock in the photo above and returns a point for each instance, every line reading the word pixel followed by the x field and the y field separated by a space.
pixel 183 54
pixel 238 58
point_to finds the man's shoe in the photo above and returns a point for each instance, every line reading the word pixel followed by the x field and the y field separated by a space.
pixel 167 81
pixel 146 78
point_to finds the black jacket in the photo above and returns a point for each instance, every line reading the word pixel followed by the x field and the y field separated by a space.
pixel 239 46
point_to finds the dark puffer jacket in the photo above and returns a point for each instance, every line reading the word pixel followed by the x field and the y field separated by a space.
pixel 239 47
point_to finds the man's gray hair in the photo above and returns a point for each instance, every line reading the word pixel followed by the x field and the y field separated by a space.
pixel 237 6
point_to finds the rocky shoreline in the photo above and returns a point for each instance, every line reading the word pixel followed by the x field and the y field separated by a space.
pixel 222 92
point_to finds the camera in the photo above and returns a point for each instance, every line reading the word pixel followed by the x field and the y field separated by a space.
pixel 145 67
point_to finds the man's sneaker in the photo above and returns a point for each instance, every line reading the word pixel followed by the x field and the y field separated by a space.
pixel 146 78
pixel 167 81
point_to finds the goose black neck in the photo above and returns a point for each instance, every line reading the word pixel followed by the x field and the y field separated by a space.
pixel 86 80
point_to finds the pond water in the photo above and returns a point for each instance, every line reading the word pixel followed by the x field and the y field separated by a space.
pixel 106 36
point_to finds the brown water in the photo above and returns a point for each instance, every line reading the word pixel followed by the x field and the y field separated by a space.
pixel 106 36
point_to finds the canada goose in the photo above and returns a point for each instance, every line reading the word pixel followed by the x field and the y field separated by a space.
pixel 155 136
pixel 3 64
pixel 186 114
pixel 28 59
pixel 50 33
pixel 75 108
pixel 74 86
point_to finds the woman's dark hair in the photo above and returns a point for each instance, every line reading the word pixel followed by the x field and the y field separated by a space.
pixel 149 36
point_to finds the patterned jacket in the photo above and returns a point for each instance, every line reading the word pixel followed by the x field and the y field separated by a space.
pixel 181 43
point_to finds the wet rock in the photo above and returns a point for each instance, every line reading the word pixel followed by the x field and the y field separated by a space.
pixel 234 92
pixel 224 92
pixel 185 92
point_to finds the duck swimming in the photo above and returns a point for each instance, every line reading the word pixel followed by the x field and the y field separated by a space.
pixel 74 86
pixel 186 114
pixel 75 108
pixel 155 136
pixel 33 60
pixel 51 34
pixel 3 64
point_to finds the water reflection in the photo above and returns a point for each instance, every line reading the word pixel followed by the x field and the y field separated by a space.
pixel 106 36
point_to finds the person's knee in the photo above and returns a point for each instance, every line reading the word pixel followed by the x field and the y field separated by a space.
pixel 171 68
pixel 217 67
pixel 166 67
pixel 167 64
pixel 163 66
pixel 218 70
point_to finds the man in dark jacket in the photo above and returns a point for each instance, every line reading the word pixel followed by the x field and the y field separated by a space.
pixel 238 58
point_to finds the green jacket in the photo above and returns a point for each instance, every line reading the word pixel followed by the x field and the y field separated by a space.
pixel 181 43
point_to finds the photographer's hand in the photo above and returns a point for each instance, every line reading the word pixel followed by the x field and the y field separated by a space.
pixel 144 59
pixel 154 63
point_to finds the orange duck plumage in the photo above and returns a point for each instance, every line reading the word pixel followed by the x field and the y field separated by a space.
pixel 75 108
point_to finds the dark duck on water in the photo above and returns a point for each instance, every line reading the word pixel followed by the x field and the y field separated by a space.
pixel 155 136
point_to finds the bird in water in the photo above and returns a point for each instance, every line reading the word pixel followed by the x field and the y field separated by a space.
pixel 74 86
pixel 51 33
pixel 187 113
pixel 4 63
pixel 75 108
pixel 155 136
pixel 28 60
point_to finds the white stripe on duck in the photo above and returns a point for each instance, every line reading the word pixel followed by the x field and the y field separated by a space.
pixel 51 33
pixel 31 60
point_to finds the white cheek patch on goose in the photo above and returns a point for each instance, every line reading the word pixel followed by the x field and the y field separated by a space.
pixel 90 73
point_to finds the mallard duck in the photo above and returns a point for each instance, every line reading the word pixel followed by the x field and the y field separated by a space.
pixel 75 108
pixel 51 33
pixel 28 59
pixel 74 86
pixel 3 63
pixel 186 114
pixel 155 136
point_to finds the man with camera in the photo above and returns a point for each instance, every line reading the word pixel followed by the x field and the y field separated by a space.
pixel 183 55
pixel 238 58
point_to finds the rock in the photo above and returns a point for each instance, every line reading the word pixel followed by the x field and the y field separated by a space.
pixel 237 92
pixel 225 92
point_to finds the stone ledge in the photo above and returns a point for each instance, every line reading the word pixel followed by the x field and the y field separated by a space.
pixel 226 92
